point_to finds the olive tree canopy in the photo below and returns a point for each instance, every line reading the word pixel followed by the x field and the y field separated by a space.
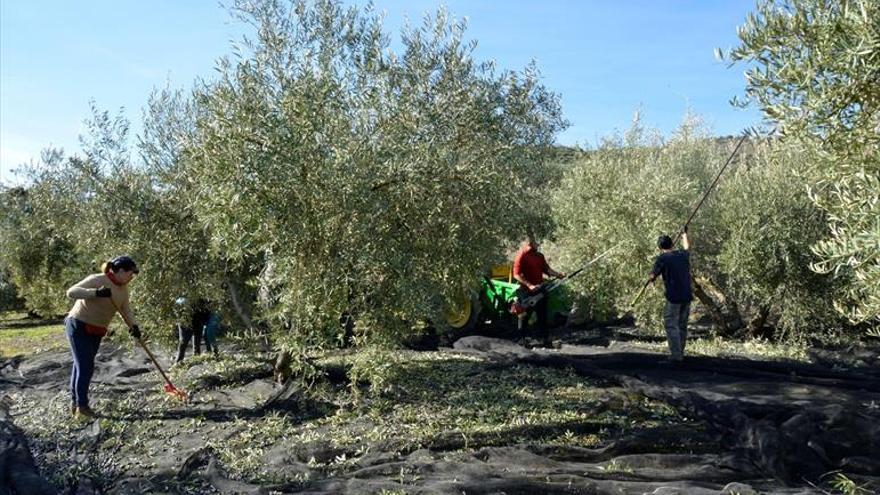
pixel 374 184
pixel 816 75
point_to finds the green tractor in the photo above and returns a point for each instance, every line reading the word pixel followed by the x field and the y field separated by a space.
pixel 491 305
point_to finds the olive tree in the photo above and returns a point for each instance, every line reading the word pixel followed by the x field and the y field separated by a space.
pixel 374 185
pixel 629 191
pixel 82 210
pixel 767 225
pixel 815 66
pixel 750 256
pixel 41 256
pixel 9 298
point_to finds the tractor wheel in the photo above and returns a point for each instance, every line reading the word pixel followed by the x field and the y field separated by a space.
pixel 464 314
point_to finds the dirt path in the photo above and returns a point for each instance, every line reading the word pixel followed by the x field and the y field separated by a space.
pixel 750 426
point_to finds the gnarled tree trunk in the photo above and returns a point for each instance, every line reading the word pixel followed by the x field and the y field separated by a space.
pixel 756 324
pixel 236 304
pixel 723 311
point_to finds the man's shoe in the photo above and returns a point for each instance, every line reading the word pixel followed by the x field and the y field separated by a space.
pixel 85 412
pixel 73 409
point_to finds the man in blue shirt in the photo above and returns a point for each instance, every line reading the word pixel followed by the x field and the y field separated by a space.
pixel 675 268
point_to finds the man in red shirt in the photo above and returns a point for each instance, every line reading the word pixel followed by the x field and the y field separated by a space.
pixel 529 268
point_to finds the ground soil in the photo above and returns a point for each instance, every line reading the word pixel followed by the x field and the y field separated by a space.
pixel 754 426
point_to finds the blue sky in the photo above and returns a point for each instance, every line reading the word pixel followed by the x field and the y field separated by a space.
pixel 605 58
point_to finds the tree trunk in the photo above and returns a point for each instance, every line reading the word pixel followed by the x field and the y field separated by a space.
pixel 266 293
pixel 756 324
pixel 722 310
pixel 245 317
pixel 282 366
pixel 236 304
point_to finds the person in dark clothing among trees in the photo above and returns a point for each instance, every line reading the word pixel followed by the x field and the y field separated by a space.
pixel 675 268
pixel 212 328
pixel 529 268
pixel 201 312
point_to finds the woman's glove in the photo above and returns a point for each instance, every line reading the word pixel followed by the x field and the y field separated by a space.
pixel 135 331
pixel 103 292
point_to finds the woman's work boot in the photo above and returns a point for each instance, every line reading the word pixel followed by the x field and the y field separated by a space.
pixel 85 412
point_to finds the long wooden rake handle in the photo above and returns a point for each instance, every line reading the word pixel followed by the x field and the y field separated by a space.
pixel 155 362
pixel 170 388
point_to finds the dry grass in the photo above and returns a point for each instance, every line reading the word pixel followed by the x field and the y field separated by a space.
pixel 31 340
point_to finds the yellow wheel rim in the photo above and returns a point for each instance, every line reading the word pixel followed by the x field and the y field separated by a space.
pixel 460 313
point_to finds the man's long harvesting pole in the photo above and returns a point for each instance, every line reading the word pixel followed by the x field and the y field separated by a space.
pixel 693 213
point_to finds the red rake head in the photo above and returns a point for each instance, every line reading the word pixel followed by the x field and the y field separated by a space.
pixel 175 392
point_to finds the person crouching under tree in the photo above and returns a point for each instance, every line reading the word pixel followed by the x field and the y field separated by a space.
pixel 194 331
pixel 212 328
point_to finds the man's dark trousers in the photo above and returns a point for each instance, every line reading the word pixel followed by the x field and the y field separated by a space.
pixel 540 330
pixel 675 319
pixel 185 334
